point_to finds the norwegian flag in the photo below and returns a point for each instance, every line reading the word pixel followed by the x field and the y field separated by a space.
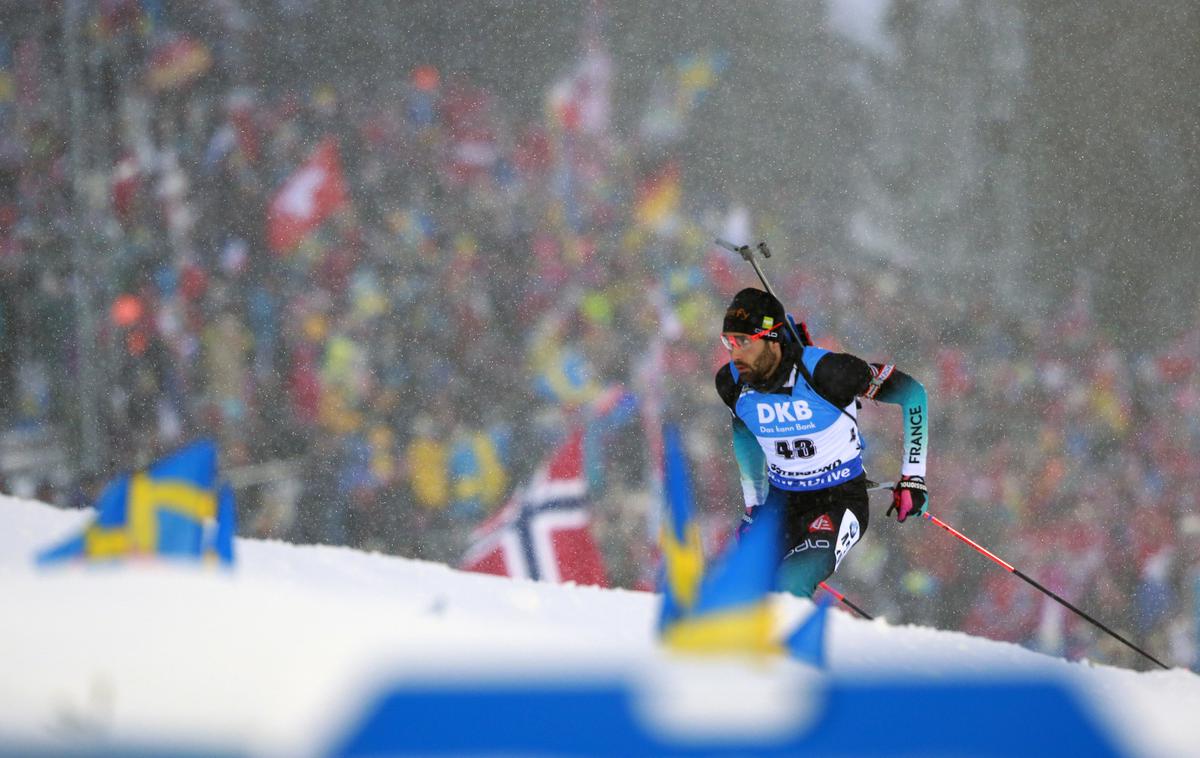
pixel 309 196
pixel 544 531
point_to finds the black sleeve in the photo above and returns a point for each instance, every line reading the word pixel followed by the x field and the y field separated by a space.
pixel 841 377
pixel 727 387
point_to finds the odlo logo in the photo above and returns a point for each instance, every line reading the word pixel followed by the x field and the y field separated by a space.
pixel 796 410
pixel 810 543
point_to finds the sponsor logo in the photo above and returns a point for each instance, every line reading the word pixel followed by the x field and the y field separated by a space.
pixel 847 537
pixel 768 322
pixel 812 543
pixel 821 470
pixel 916 442
pixel 796 410
pixel 824 480
pixel 822 524
pixel 790 480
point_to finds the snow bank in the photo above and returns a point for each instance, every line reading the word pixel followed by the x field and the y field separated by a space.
pixel 280 655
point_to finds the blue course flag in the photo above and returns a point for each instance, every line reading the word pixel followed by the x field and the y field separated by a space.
pixel 679 538
pixel 164 510
pixel 220 546
pixel 807 642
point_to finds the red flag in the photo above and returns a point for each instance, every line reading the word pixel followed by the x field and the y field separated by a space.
pixel 544 531
pixel 308 197
pixel 177 63
pixel 124 185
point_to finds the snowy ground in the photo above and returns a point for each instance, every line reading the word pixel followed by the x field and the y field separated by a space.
pixel 276 657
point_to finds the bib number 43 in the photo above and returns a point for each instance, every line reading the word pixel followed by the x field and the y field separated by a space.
pixel 795 448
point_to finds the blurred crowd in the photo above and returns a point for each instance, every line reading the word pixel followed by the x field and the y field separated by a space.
pixel 415 354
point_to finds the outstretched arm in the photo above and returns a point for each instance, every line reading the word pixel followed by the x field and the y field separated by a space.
pixel 891 385
pixel 841 377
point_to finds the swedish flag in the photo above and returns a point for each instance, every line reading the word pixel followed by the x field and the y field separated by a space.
pixel 726 610
pixel 562 374
pixel 696 74
pixel 679 538
pixel 173 508
pixel 732 612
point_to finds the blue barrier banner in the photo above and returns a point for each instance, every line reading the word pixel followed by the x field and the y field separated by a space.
pixel 961 718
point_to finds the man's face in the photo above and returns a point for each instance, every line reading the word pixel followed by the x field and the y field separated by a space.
pixel 754 359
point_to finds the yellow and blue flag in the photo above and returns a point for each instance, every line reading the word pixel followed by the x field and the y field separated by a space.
pixel 679 538
pixel 7 88
pixel 726 609
pixel 174 508
pixel 732 612
pixel 477 468
pixel 563 374
pixel 677 93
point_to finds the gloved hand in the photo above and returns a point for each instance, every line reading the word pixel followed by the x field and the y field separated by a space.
pixel 747 520
pixel 909 498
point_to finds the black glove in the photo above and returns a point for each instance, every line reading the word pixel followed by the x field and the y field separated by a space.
pixel 910 497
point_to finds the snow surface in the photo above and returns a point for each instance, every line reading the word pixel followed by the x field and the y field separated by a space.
pixel 275 657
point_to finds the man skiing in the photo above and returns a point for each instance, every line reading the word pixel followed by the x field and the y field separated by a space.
pixel 796 437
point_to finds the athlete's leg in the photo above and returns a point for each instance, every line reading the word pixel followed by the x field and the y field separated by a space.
pixel 817 540
pixel 809 559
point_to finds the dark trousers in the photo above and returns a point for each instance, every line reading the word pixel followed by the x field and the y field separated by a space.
pixel 817 531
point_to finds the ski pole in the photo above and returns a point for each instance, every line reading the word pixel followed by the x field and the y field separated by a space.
pixel 747 254
pixel 843 599
pixel 1014 570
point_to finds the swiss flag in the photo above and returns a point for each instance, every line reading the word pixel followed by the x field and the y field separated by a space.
pixel 307 198
pixel 544 531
